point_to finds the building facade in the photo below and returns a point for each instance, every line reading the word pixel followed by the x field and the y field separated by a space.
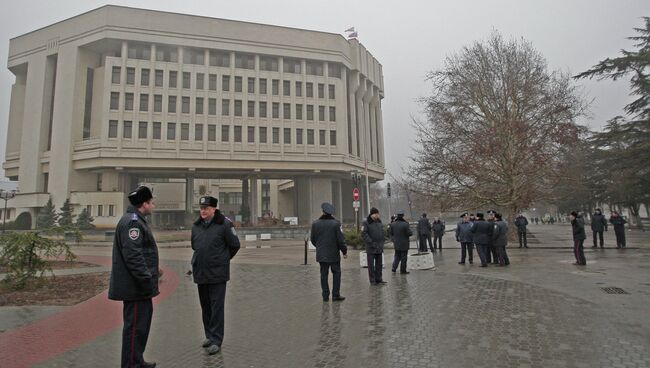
pixel 118 96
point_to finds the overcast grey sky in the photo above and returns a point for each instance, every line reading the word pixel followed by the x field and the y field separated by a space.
pixel 408 37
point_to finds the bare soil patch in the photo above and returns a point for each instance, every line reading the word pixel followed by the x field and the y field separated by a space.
pixel 62 265
pixel 60 290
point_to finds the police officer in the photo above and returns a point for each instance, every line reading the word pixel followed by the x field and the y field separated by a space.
pixel 522 222
pixel 215 243
pixel 579 236
pixel 464 237
pixel 424 234
pixel 327 237
pixel 598 225
pixel 492 250
pixel 400 231
pixel 501 240
pixel 134 276
pixel 482 235
pixel 619 228
pixel 372 233
pixel 438 228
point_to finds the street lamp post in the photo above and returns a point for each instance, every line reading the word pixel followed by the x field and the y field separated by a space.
pixel 6 195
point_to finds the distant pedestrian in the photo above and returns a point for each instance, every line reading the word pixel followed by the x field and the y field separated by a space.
pixel 327 237
pixel 492 250
pixel 464 237
pixel 424 234
pixel 134 276
pixel 619 228
pixel 578 227
pixel 501 240
pixel 598 225
pixel 438 228
pixel 215 243
pixel 401 233
pixel 372 233
pixel 521 222
pixel 536 220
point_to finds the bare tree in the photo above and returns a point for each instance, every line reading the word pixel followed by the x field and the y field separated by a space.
pixel 497 123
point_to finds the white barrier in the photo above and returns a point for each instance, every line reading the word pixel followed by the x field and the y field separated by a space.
pixel 420 261
pixel 265 236
pixel 363 260
pixel 251 237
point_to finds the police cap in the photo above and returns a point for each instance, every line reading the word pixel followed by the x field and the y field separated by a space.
pixel 208 201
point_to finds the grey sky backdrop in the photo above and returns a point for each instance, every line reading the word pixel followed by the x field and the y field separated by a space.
pixel 408 37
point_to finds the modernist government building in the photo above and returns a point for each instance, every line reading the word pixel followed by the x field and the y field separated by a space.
pixel 267 118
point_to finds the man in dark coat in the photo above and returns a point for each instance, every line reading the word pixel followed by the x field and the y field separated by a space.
pixel 401 232
pixel 424 234
pixel 326 235
pixel 134 276
pixel 491 255
pixel 482 234
pixel 619 228
pixel 372 232
pixel 215 243
pixel 438 228
pixel 579 236
pixel 464 236
pixel 522 222
pixel 598 225
pixel 501 240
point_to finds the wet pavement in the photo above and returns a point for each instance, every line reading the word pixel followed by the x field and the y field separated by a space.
pixel 539 312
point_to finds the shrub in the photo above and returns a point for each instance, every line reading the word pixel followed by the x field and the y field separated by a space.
pixel 24 255
pixel 353 239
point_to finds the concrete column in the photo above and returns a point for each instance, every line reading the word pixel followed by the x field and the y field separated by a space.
pixel 311 192
pixel 346 212
pixel 255 205
pixel 245 207
pixel 189 193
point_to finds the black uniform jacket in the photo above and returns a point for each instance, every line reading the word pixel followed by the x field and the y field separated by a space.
pixel 214 244
pixel 372 233
pixel 483 232
pixel 327 237
pixel 424 226
pixel 578 226
pixel 400 231
pixel 598 222
pixel 501 234
pixel 134 274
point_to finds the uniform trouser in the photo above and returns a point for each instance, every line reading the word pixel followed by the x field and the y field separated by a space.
pixel 523 239
pixel 437 240
pixel 374 267
pixel 401 259
pixel 579 252
pixel 620 236
pixel 482 250
pixel 423 239
pixel 489 252
pixel 466 249
pixel 598 234
pixel 336 278
pixel 212 298
pixel 137 323
pixel 502 256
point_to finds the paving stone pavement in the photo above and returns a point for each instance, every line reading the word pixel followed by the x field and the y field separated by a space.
pixel 445 318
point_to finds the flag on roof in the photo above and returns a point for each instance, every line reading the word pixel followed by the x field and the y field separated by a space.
pixel 351 29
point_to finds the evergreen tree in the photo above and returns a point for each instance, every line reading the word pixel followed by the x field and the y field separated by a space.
pixel 47 217
pixel 85 221
pixel 66 217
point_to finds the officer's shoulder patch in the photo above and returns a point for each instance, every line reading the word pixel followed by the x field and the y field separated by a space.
pixel 134 217
pixel 134 233
pixel 234 232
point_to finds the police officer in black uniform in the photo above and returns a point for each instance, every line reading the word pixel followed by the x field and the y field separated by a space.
pixel 215 243
pixel 482 234
pixel 492 250
pixel 400 231
pixel 522 222
pixel 134 276
pixel 327 237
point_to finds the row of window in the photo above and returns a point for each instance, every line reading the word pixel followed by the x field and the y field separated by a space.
pixel 197 56
pixel 252 83
pixel 102 210
pixel 199 107
pixel 238 131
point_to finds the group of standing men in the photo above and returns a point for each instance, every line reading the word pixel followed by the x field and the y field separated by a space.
pixel 490 238
pixel 425 229
pixel 135 273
